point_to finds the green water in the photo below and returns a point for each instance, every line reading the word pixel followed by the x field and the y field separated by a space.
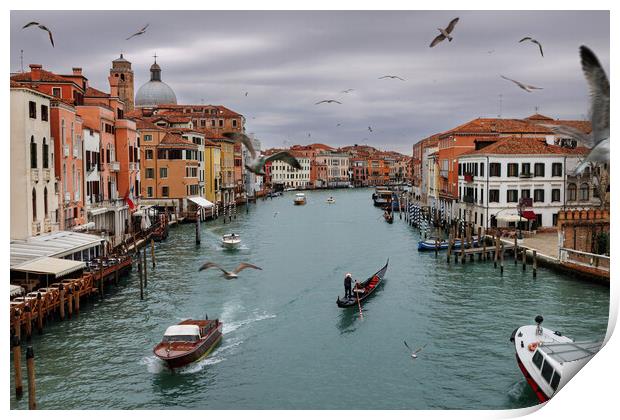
pixel 287 345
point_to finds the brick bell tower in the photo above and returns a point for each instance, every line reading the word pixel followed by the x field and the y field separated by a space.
pixel 121 82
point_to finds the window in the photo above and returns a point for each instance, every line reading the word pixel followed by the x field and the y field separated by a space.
pixel 164 191
pixel 147 137
pixel 33 153
pixel 149 173
pixel 513 169
pixel 34 205
pixel 148 154
pixel 555 381
pixel 512 196
pixel 539 195
pixel 44 113
pixel 482 169
pixel 537 359
pixel 572 192
pixel 547 371
pixel 554 218
pixel 234 123
pixel 46 152
pixel 495 169
pixel 32 109
pixel 556 169
pixel 555 195
pixel 525 193
pixel 584 192
pixel 525 169
pixel 45 209
pixel 493 196
pixel 149 191
pixel 56 92
pixel 221 123
pixel 163 172
pixel 539 169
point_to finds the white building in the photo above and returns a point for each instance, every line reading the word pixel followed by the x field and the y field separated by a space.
pixel 34 202
pixel 337 168
pixel 429 187
pixel 283 173
pixel 494 180
pixel 253 182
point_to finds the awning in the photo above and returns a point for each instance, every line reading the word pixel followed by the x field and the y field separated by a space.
pixel 47 265
pixel 528 214
pixel 201 202
pixel 510 218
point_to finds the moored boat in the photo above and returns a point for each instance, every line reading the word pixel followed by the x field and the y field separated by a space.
pixel 231 241
pixel 300 199
pixel 364 289
pixel 429 244
pixel 330 200
pixel 388 216
pixel 547 359
pixel 188 341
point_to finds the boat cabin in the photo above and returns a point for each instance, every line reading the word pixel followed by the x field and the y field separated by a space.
pixel 182 333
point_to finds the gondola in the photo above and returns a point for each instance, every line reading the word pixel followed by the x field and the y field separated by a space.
pixel 368 287
pixel 389 217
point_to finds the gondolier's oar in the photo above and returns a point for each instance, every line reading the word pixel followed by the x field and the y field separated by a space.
pixel 359 305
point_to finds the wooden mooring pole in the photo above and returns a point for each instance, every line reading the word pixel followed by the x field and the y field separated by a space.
pixel 17 365
pixel 153 252
pixel 501 260
pixel 144 266
pixel 28 313
pixel 516 251
pixel 497 241
pixel 524 257
pixel 32 398
pixel 534 263
pixel 140 273
pixel 39 314
pixel 70 302
pixel 61 308
pixel 77 299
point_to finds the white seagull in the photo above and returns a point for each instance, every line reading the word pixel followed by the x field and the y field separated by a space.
pixel 328 101
pixel 228 274
pixel 532 40
pixel 42 27
pixel 445 33
pixel 257 163
pixel 389 76
pixel 140 32
pixel 527 88
pixel 414 354
pixel 347 90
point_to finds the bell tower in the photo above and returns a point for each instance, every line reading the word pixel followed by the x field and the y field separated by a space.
pixel 121 82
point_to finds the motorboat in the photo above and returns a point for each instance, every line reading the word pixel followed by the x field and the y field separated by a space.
pixel 331 200
pixel 300 199
pixel 231 241
pixel 188 341
pixel 548 359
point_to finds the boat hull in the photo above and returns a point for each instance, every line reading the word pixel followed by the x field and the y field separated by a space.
pixel 430 245
pixel 539 393
pixel 203 349
pixel 375 280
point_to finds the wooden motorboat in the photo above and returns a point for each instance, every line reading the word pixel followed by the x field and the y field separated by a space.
pixel 547 359
pixel 364 289
pixel 231 241
pixel 188 341
pixel 300 199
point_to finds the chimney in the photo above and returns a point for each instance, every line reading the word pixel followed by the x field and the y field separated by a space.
pixel 77 71
pixel 35 71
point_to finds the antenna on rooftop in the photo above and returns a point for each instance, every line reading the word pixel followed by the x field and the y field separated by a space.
pixel 499 115
pixel 536 109
pixel 21 60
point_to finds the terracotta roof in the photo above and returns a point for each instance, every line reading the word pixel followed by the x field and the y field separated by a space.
pixel 46 76
pixel 497 125
pixel 171 118
pixel 142 124
pixel 538 117
pixel 92 92
pixel 320 146
pixel 174 139
pixel 581 125
pixel 524 146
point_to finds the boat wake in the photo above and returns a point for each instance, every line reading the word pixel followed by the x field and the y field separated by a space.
pixel 235 325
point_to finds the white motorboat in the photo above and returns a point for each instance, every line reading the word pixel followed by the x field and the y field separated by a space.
pixel 231 241
pixel 331 200
pixel 547 359
pixel 300 199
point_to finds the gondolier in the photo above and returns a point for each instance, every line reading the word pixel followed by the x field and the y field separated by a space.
pixel 347 285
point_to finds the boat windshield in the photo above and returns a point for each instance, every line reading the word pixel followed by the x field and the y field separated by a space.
pixel 180 338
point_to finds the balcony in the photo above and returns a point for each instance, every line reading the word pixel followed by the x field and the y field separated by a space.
pixel 76 151
pixel 46 174
pixel 36 228
pixel 469 177
pixel 67 197
pixel 525 175
pixel 65 149
pixel 469 199
pixel 47 225
pixel 34 174
pixel 114 166
pixel 134 166
pixel 444 173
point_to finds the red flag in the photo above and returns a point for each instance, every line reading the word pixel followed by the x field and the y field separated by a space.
pixel 129 201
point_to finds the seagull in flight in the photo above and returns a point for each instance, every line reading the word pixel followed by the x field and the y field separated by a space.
pixel 140 32
pixel 445 33
pixel 228 274
pixel 257 163
pixel 328 101
pixel 389 76
pixel 532 40
pixel 527 88
pixel 246 93
pixel 414 354
pixel 370 129
pixel 347 90
pixel 42 27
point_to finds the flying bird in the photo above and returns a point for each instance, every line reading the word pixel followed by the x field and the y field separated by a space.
pixel 445 33
pixel 414 354
pixel 246 93
pixel 532 40
pixel 328 101
pixel 42 27
pixel 257 163
pixel 388 76
pixel 347 90
pixel 228 274
pixel 527 88
pixel 338 125
pixel 140 32
pixel 370 129
pixel 275 214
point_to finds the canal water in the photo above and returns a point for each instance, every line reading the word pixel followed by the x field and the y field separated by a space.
pixel 287 345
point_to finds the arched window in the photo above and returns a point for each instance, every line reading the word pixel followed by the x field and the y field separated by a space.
pixel 33 152
pixel 584 192
pixel 123 77
pixel 34 205
pixel 45 209
pixel 572 192
pixel 46 154
pixel 72 133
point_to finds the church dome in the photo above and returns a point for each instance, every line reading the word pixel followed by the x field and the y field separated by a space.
pixel 155 92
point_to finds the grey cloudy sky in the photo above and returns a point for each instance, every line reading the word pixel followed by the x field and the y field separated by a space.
pixel 287 61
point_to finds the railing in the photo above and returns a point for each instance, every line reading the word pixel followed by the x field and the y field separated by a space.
pixel 114 166
pixel 34 174
pixel 108 203
pixel 65 149
pixel 525 175
pixel 46 174
pixel 36 228
pixel 585 259
pixel 468 199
